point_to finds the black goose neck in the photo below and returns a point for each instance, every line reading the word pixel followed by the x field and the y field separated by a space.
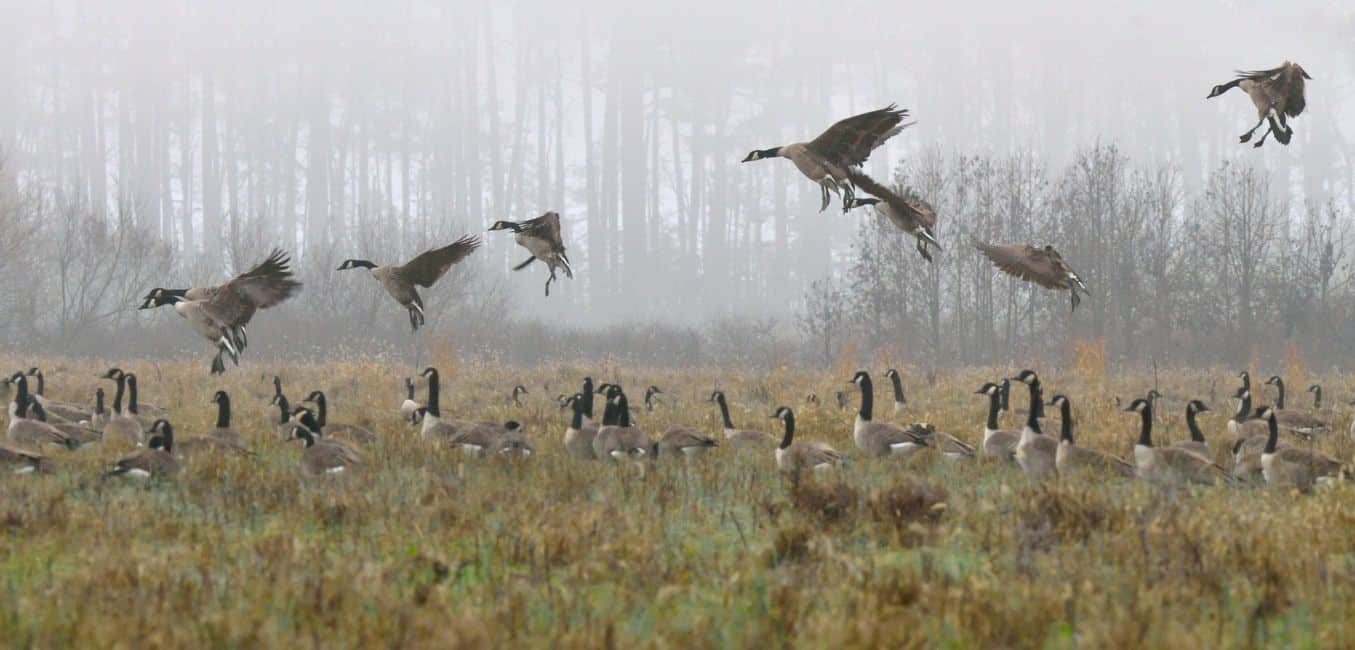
pixel 117 395
pixel 576 421
pixel 789 435
pixel 1066 420
pixel 623 406
pixel 897 381
pixel 867 398
pixel 1033 413
pixel 1195 433
pixel 223 412
pixel 322 408
pixel 131 394
pixel 1146 428
pixel 724 410
pixel 588 397
pixel 1279 389
pixel 994 406
pixel 1243 407
pixel 434 383
pixel 1272 433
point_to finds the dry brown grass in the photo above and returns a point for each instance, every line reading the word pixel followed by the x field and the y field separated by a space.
pixel 433 549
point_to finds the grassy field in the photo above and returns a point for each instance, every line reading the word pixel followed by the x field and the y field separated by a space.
pixel 428 548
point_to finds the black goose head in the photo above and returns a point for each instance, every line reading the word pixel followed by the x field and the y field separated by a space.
pixel 506 225
pixel 989 388
pixel 762 154
pixel 1139 405
pixel 356 264
pixel 860 378
pixel 1028 377
pixel 1196 406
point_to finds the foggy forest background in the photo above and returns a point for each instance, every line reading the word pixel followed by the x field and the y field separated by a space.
pixel 173 142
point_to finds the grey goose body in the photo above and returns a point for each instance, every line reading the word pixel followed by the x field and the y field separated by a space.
pixel 739 439
pixel 997 443
pixel 1278 94
pixel 1070 458
pixel 906 210
pixel 794 456
pixel 1036 452
pixel 402 281
pixel 221 313
pixel 541 237
pixel 1169 465
pixel 1042 266
pixel 844 146
pixel 880 439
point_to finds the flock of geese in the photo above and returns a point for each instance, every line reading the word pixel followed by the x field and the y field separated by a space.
pixel 832 160
pixel 1258 451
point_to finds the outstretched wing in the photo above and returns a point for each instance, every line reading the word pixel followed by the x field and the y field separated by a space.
pixel 1025 262
pixel 906 204
pixel 265 285
pixel 850 141
pixel 425 269
pixel 547 227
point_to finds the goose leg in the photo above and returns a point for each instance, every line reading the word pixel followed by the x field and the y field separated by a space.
pixel 524 264
pixel 1263 137
pixel 1076 299
pixel 826 200
pixel 548 281
pixel 1247 136
pixel 218 366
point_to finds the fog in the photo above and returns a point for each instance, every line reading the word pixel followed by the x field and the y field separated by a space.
pixel 207 132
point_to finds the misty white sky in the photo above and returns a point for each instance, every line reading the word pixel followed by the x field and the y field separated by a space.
pixel 978 77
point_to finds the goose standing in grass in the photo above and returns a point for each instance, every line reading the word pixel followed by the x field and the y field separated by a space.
pixel 1277 93
pixel 879 438
pixel 16 460
pixel 621 439
pixel 1070 458
pixel 997 443
pixel 511 443
pixel 1196 443
pixel 433 424
pixel 77 435
pixel 322 456
pixel 98 419
pixel 424 271
pixel 1169 465
pixel 219 440
pixel 1291 420
pixel 651 397
pixel 67 411
pixel 1316 390
pixel 410 408
pixel 580 433
pixel 793 457
pixel 272 418
pixel 358 434
pixel 907 211
pixel 1291 466
pixel 1036 452
pixel 739 438
pixel 1244 424
pixel 686 441
pixel 223 430
pixel 221 314
pixel 949 446
pixel 156 460
pixel 541 237
pixel 1042 266
pixel 123 427
pixel 846 145
pixel 514 398
pixel 897 381
pixel 29 431
pixel 283 421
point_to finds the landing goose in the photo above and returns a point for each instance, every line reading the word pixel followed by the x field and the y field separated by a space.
pixel 907 211
pixel 541 237
pixel 1277 93
pixel 1042 266
pixel 846 145
pixel 422 271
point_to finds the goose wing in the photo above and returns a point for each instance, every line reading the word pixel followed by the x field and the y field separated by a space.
pixel 431 265
pixel 269 283
pixel 850 141
pixel 908 205
pixel 547 227
pixel 1043 266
